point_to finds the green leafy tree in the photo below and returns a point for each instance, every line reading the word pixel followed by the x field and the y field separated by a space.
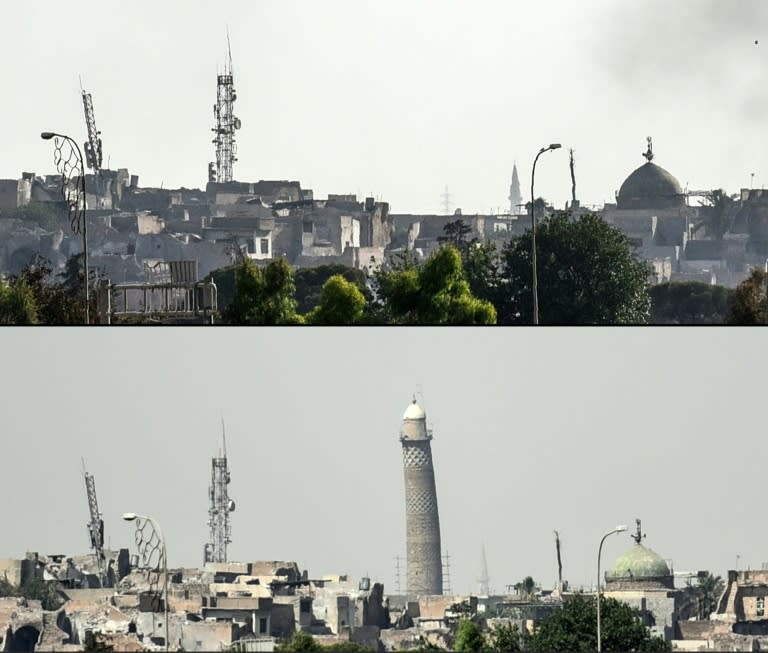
pixel 749 302
pixel 309 283
pixel 504 637
pixel 574 628
pixel 300 641
pixel 479 261
pixel 341 303
pixel 718 212
pixel 689 302
pixel 586 275
pixel 469 637
pixel 17 304
pixel 456 233
pixel 59 299
pixel 434 292
pixel 263 296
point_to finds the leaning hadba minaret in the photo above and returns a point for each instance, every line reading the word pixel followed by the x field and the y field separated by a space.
pixel 422 524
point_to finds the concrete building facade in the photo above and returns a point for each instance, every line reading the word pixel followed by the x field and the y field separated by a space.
pixel 424 563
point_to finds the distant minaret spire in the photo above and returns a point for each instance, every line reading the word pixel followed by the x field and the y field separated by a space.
pixel 484 582
pixel 515 197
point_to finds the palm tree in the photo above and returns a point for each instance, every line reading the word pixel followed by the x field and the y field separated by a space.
pixel 709 590
pixel 719 210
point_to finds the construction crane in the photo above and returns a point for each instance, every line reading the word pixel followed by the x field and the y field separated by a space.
pixel 95 526
pixel 92 146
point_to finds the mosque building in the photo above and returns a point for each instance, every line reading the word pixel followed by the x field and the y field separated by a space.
pixel 641 578
pixel 651 210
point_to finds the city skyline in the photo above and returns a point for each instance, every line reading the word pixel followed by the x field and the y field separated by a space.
pixel 424 94
pixel 574 430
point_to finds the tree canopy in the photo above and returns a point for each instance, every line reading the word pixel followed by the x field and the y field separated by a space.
pixel 574 628
pixel 504 637
pixel 434 292
pixel 341 303
pixel 469 637
pixel 749 302
pixel 34 296
pixel 586 275
pixel 309 283
pixel 263 296
pixel 689 302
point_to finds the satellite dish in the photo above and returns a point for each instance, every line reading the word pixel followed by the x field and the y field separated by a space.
pixel 238 124
pixel 231 506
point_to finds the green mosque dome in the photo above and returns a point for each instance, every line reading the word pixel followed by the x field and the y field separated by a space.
pixel 650 187
pixel 639 563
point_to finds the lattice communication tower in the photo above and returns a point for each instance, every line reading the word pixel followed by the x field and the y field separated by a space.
pixel 220 171
pixel 220 507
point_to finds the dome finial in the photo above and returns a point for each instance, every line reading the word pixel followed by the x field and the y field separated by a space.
pixel 649 152
pixel 637 537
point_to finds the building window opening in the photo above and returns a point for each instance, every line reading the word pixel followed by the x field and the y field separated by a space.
pixel 262 625
pixel 760 606
pixel 265 245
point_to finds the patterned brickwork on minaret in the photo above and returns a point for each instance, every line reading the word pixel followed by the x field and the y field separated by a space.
pixel 424 564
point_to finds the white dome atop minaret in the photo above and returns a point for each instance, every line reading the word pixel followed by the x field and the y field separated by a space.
pixel 414 411
pixel 414 423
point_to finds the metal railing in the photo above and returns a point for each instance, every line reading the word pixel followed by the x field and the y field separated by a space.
pixel 160 301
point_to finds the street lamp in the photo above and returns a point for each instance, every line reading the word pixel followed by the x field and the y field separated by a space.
pixel 69 166
pixel 553 146
pixel 618 529
pixel 151 546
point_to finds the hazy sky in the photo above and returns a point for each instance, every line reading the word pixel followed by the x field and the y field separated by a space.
pixel 398 98
pixel 534 430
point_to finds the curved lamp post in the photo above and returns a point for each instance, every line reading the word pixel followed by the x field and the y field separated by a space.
pixel 151 546
pixel 68 166
pixel 618 529
pixel 535 286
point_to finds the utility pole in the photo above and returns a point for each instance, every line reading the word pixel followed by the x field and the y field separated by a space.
pixel 573 180
pixel 559 563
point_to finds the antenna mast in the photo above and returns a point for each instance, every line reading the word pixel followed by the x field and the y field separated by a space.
pixel 95 526
pixel 447 204
pixel 220 507
pixel 226 125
